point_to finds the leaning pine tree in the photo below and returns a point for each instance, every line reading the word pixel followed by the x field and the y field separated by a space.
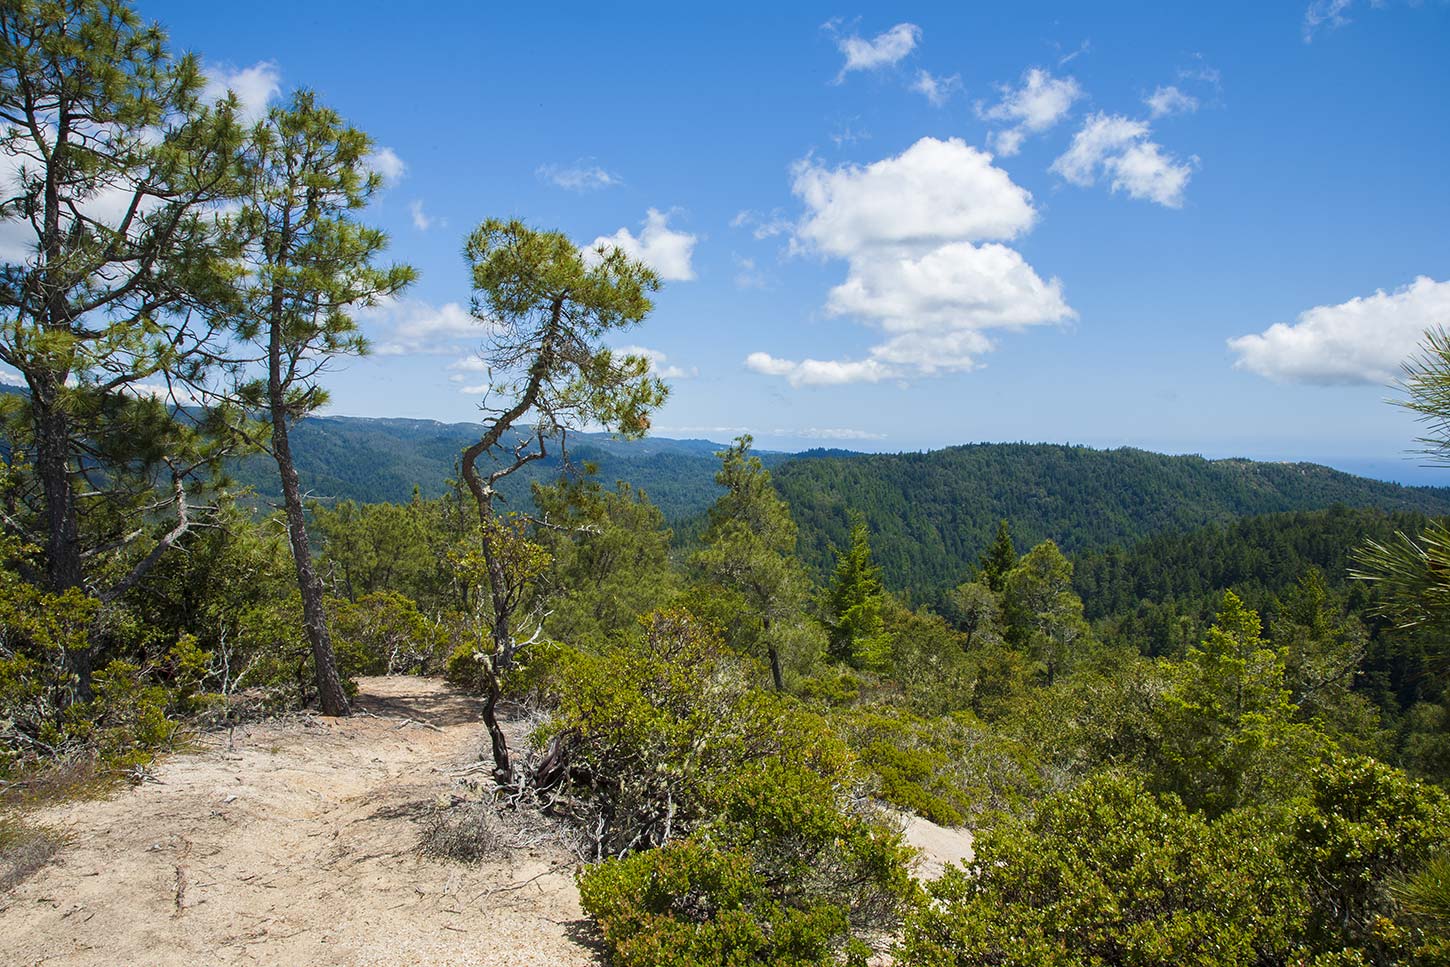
pixel 309 266
pixel 548 307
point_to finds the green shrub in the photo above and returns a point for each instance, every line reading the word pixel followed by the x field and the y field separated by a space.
pixel 384 633
pixel 1106 874
pixel 949 769
pixel 689 903
pixel 767 851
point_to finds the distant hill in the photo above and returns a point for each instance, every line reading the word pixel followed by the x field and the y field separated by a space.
pixel 375 460
pixel 931 513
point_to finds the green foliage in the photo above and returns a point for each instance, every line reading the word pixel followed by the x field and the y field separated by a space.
pixel 1105 874
pixel 763 849
pixel 749 553
pixel 1364 826
pixel 1229 734
pixel 949 769
pixel 932 514
pixel 854 603
pixel 690 903
pixel 548 307
pixel 609 554
pixel 122 167
pixel 997 560
pixel 1042 613
pixel 390 636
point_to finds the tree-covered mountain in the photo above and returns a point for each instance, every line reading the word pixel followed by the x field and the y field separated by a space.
pixel 382 460
pixel 931 514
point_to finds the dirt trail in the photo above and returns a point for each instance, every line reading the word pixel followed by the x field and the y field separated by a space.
pixel 297 847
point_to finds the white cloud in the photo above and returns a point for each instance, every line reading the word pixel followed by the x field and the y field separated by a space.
pixel 921 234
pixel 659 363
pixel 1364 340
pixel 820 372
pixel 666 251
pixel 1329 14
pixel 953 290
pixel 254 86
pixel 1119 148
pixel 405 326
pixel 1031 108
pixel 581 176
pixel 883 50
pixel 933 192
pixel 421 220
pixel 385 162
pixel 1166 101
pixel 937 90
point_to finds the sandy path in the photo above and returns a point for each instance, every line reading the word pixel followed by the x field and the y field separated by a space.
pixel 297 848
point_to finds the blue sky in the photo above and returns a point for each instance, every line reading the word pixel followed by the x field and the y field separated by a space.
pixel 1052 234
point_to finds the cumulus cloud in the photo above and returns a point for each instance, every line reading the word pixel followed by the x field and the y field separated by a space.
pixel 933 192
pixel 921 234
pixel 666 251
pixel 941 299
pixel 1166 101
pixel 1364 340
pixel 254 86
pixel 406 326
pixel 1120 149
pixel 880 51
pixel 581 176
pixel 659 363
pixel 820 372
pixel 385 162
pixel 1032 107
pixel 937 90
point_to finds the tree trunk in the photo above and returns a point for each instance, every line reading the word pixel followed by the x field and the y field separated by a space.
pixel 502 768
pixel 330 693
pixel 62 520
pixel 775 668
pixel 773 655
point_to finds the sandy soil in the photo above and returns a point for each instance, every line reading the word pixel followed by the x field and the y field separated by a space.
pixel 938 845
pixel 296 846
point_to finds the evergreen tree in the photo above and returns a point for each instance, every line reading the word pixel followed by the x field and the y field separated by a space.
pixel 854 601
pixel 310 264
pixel 999 558
pixel 1043 613
pixel 114 169
pixel 750 551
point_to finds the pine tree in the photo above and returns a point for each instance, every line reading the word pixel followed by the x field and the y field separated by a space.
pixel 854 601
pixel 547 308
pixel 750 551
pixel 999 558
pixel 310 265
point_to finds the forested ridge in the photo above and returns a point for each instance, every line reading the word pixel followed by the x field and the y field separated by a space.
pixel 1189 711
pixel 931 513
